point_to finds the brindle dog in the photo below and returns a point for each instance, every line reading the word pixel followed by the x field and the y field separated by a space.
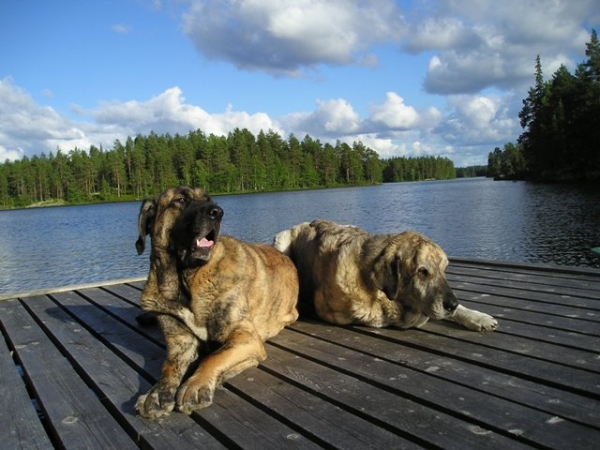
pixel 207 288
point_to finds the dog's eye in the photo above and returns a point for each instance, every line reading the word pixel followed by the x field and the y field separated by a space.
pixel 179 201
pixel 423 272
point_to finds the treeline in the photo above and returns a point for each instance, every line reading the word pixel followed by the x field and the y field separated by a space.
pixel 561 122
pixel 417 169
pixel 236 163
pixel 471 171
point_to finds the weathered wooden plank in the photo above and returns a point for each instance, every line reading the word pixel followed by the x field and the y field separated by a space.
pixel 555 289
pixel 126 292
pixel 138 285
pixel 117 300
pixel 512 309
pixel 330 424
pixel 584 343
pixel 548 297
pixel 579 358
pixel 21 427
pixel 559 304
pixel 555 402
pixel 587 282
pixel 250 428
pixel 75 415
pixel 69 288
pixel 116 383
pixel 533 383
pixel 470 405
pixel 528 268
pixel 405 416
pixel 144 355
pixel 506 361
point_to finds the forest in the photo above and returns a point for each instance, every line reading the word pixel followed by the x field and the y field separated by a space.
pixel 237 163
pixel 561 122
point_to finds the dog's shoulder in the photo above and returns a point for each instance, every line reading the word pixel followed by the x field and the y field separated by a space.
pixel 244 251
pixel 230 242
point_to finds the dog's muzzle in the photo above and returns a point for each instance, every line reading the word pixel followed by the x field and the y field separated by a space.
pixel 450 302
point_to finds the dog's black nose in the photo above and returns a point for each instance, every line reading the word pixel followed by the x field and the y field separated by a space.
pixel 215 213
pixel 450 302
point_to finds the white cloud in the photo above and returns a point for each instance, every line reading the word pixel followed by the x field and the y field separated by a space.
pixel 10 154
pixel 27 128
pixel 164 110
pixel 168 112
pixel 287 37
pixel 331 118
pixel 479 120
pixel 230 119
pixel 439 33
pixel 478 44
pixel 394 113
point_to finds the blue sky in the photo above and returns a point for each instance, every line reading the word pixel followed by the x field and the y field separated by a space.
pixel 407 78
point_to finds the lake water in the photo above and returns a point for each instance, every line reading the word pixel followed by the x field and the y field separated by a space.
pixel 478 218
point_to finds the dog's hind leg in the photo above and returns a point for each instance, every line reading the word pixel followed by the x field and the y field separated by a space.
pixel 243 349
pixel 182 350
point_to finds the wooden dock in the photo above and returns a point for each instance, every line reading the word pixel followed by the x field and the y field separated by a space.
pixel 72 364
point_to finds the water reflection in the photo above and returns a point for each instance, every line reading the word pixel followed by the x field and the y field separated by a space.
pixel 562 224
pixel 60 246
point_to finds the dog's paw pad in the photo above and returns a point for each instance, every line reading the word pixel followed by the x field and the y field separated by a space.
pixel 191 398
pixel 154 405
pixel 484 322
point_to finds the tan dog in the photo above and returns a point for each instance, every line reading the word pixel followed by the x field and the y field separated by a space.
pixel 208 288
pixel 353 277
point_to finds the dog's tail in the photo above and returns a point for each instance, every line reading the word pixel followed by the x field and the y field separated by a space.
pixel 283 242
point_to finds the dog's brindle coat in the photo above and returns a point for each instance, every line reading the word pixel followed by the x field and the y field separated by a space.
pixel 349 276
pixel 207 288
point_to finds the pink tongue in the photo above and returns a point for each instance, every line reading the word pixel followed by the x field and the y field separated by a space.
pixel 204 243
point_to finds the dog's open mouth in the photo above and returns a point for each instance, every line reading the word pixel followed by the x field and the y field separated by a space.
pixel 202 246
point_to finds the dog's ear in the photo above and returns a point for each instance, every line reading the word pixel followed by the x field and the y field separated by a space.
pixel 145 220
pixel 386 275
pixel 202 195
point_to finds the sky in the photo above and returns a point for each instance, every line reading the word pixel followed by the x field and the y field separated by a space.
pixel 406 78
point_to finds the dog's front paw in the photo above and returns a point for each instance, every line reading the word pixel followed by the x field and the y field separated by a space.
pixel 155 403
pixel 192 396
pixel 474 320
pixel 487 323
pixel 478 321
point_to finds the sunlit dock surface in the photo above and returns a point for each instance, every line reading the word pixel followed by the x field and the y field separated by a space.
pixel 73 362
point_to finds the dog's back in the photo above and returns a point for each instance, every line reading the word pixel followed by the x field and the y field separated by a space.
pixel 320 250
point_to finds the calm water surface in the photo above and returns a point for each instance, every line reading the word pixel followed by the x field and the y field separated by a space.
pixel 480 218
